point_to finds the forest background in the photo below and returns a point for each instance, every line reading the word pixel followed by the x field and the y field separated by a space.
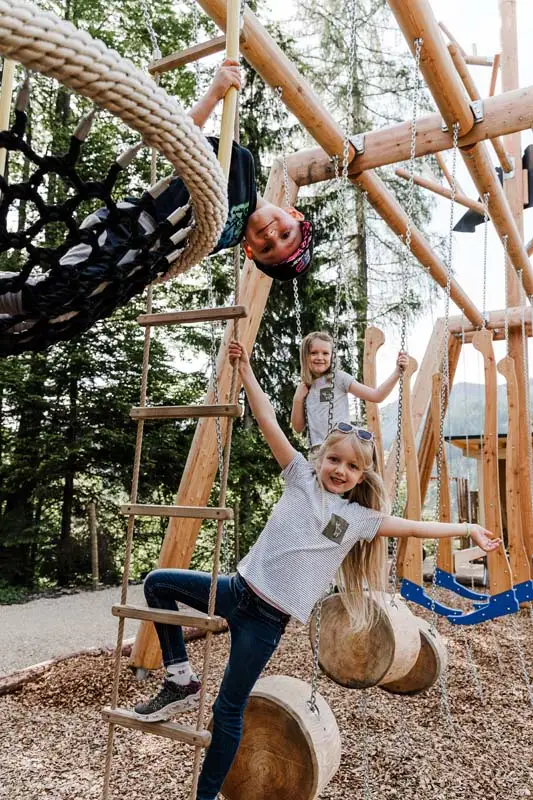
pixel 66 438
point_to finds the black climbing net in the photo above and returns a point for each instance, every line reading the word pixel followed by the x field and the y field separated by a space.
pixel 56 293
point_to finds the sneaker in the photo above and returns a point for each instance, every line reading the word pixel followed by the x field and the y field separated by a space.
pixel 170 699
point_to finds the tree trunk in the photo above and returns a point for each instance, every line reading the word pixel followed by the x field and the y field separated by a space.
pixel 64 548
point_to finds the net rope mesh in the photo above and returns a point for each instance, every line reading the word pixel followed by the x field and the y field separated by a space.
pixel 55 293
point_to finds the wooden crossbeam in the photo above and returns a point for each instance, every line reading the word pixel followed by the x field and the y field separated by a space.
pixel 495 320
pixel 170 730
pixel 190 317
pixel 194 53
pixel 186 618
pixel 494 74
pixel 183 512
pixel 437 188
pixel 185 412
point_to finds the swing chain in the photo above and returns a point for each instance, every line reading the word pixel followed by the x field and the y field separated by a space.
pixel 396 506
pixel 486 198
pixel 278 91
pixel 156 52
pixel 311 703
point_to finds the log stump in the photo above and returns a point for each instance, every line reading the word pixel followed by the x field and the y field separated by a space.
pixel 430 664
pixel 365 658
pixel 287 752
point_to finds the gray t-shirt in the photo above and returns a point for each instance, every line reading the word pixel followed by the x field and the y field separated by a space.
pixel 305 541
pixel 318 400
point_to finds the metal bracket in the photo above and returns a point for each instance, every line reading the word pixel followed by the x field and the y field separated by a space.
pixel 478 112
pixel 508 176
pixel 358 142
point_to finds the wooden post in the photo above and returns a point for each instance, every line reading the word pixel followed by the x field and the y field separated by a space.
pixel 374 339
pixel 494 74
pixel 229 109
pixel 416 20
pixel 500 579
pixel 515 455
pixel 6 93
pixel 513 193
pixel 93 531
pixel 237 532
pixel 444 555
pixel 410 549
pixel 202 461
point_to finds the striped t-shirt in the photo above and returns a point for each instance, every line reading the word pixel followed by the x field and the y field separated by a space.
pixel 318 403
pixel 304 542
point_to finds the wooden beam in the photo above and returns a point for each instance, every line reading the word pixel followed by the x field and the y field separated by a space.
pixel 194 53
pixel 529 247
pixel 462 68
pixel 437 188
pixel 495 320
pixel 269 60
pixel 504 114
pixel 396 218
pixel 374 339
pixel 494 74
pixel 451 37
pixel 444 553
pixel 202 461
pixel 479 61
pixel 483 174
pixel 417 21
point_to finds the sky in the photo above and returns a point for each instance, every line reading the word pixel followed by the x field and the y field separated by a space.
pixel 474 22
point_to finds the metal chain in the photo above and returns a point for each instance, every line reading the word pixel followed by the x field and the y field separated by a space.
pixel 445 385
pixel 473 666
pixel 311 703
pixel 486 198
pixel 195 36
pixel 396 506
pixel 156 52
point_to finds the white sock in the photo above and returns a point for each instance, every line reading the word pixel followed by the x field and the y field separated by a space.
pixel 181 673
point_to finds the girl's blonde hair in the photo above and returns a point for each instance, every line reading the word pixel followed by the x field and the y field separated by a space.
pixel 363 573
pixel 306 375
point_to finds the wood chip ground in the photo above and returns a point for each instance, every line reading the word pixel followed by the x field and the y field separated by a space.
pixel 53 739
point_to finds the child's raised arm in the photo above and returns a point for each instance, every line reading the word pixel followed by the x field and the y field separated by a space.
pixel 227 75
pixel 420 529
pixel 298 412
pixel 262 409
pixel 379 393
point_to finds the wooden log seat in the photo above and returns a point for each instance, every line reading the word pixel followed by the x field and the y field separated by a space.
pixel 365 658
pixel 430 664
pixel 287 752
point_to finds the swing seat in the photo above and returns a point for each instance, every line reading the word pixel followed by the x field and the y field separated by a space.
pixel 430 664
pixel 449 581
pixel 287 750
pixel 499 605
pixel 417 594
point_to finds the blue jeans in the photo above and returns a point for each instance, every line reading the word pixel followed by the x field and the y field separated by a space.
pixel 255 627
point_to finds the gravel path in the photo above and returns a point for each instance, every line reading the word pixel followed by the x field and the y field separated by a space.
pixel 50 627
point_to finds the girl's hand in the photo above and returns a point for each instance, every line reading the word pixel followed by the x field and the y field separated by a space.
pixel 402 361
pixel 226 76
pixel 301 392
pixel 484 538
pixel 237 352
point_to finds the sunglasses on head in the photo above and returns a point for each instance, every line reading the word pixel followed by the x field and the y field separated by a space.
pixel 347 427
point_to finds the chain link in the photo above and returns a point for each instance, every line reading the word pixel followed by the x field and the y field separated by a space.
pixel 156 52
pixel 396 506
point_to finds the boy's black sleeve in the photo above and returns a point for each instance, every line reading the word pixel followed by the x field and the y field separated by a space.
pixel 242 196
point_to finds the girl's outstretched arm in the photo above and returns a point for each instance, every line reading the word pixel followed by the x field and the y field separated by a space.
pixel 262 409
pixel 396 526
pixel 298 412
pixel 379 393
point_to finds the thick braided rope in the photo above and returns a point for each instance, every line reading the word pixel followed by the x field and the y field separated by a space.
pixel 44 43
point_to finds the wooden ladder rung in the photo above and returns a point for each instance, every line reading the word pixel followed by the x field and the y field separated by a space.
pixel 188 317
pixel 189 512
pixel 186 618
pixel 185 412
pixel 171 730
pixel 194 53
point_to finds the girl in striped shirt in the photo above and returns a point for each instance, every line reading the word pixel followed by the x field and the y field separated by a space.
pixel 330 521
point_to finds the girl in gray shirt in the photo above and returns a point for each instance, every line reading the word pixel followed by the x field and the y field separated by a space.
pixel 310 407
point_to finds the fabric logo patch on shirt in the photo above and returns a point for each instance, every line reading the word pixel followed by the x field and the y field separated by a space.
pixel 335 529
pixel 326 394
